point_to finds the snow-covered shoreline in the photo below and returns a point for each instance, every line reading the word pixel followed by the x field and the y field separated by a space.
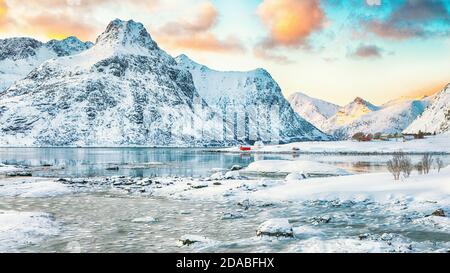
pixel 278 202
pixel 433 145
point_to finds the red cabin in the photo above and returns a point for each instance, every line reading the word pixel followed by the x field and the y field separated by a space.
pixel 243 148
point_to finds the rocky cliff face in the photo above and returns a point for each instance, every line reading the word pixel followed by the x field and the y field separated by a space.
pixel 252 102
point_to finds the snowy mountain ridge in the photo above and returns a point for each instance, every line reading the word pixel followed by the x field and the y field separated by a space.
pixel 122 91
pixel 126 91
pixel 252 101
pixel 361 116
pixel 436 118
pixel 315 111
pixel 19 56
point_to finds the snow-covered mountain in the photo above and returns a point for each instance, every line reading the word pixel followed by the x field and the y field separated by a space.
pixel 315 111
pixel 18 56
pixel 252 101
pixel 436 118
pixel 360 115
pixel 349 113
pixel 390 118
pixel 124 90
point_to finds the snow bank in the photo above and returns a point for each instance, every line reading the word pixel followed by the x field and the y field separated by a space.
pixel 4 169
pixel 32 187
pixel 376 187
pixel 19 229
pixel 275 227
pixel 286 167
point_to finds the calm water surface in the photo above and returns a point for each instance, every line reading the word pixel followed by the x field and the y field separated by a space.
pixel 90 162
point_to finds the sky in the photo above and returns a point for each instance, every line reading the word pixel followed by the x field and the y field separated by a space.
pixel 330 49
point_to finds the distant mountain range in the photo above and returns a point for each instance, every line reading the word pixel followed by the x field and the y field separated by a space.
pixel 362 116
pixel 124 90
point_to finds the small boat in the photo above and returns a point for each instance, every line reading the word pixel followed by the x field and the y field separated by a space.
pixel 245 148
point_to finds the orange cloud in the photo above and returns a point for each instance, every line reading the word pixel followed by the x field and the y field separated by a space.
pixel 61 18
pixel 205 19
pixel 290 22
pixel 196 33
pixel 59 27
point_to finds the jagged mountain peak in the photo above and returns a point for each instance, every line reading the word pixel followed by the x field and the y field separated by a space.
pixel 18 48
pixel 314 110
pixel 68 46
pixel 126 33
pixel 359 102
pixel 252 98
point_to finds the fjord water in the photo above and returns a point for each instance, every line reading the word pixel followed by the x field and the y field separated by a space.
pixel 102 222
pixel 143 162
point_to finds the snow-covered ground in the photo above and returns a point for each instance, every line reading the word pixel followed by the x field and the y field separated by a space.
pixel 19 229
pixel 4 169
pixel 380 188
pixel 32 187
pixel 432 144
pixel 285 167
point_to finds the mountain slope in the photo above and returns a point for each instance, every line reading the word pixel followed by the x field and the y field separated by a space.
pixel 122 91
pixel 252 101
pixel 436 118
pixel 19 56
pixel 389 119
pixel 315 111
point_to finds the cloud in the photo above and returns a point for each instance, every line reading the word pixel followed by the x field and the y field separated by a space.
pixel 61 18
pixel 290 22
pixel 59 27
pixel 3 13
pixel 263 53
pixel 367 51
pixel 413 19
pixel 373 2
pixel 196 33
pixel 206 18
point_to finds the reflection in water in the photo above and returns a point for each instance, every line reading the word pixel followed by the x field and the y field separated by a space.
pixel 143 162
